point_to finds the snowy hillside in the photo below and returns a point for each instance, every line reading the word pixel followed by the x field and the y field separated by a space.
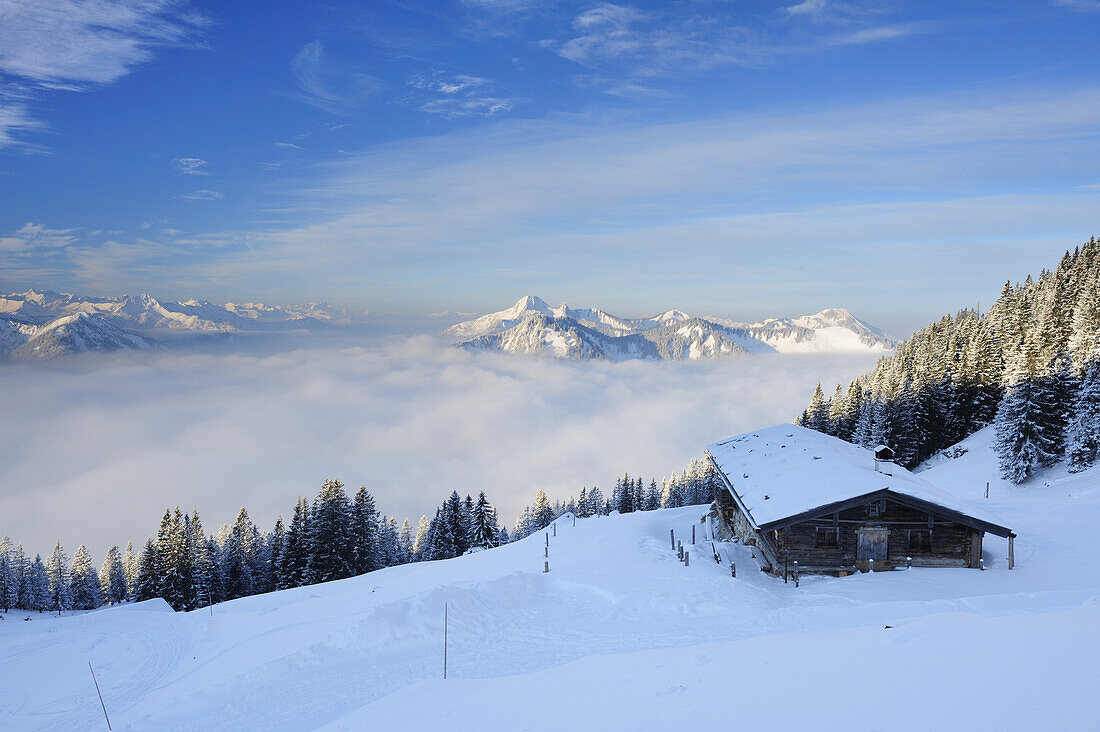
pixel 624 633
pixel 68 335
pixel 531 326
pixel 144 311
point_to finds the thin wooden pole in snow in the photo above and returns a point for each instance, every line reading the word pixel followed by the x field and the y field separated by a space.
pixel 672 538
pixel 97 691
pixel 444 640
pixel 693 534
pixel 987 489
pixel 1011 553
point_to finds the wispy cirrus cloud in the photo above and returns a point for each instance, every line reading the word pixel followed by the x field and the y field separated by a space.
pixel 1081 6
pixel 329 84
pixel 457 95
pixel 74 44
pixel 31 237
pixel 202 194
pixel 626 46
pixel 77 45
pixel 191 166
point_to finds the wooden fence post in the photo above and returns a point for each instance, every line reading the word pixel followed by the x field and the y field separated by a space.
pixel 1011 553
pixel 796 574
pixel 687 558
pixel 672 538
pixel 545 567
pixel 693 534
pixel 733 568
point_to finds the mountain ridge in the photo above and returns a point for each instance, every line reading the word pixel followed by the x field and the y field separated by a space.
pixel 532 326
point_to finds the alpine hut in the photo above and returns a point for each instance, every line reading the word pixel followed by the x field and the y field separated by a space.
pixel 798 495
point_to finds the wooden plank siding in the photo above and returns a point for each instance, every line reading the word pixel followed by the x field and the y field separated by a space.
pixel 951 543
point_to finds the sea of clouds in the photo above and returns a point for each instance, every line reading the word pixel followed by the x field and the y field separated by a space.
pixel 94 449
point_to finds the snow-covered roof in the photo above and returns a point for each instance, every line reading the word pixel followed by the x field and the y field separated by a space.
pixel 786 471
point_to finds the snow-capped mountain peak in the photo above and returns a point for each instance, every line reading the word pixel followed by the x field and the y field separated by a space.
pixel 531 326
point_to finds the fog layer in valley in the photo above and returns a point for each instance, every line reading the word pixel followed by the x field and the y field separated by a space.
pixel 97 447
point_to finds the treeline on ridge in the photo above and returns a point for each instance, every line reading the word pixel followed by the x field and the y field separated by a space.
pixel 1030 365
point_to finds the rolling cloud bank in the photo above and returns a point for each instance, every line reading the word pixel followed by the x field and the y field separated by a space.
pixel 98 446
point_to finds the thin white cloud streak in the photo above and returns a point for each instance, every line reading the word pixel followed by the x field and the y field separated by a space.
pixel 191 166
pixel 329 85
pixel 457 95
pixel 641 44
pixel 523 202
pixel 95 450
pixel 71 44
pixel 77 45
pixel 202 194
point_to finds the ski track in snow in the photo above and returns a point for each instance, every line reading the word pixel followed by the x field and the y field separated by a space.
pixel 618 624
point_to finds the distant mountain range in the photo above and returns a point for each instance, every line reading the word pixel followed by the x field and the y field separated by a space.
pixel 532 326
pixel 44 324
pixel 47 324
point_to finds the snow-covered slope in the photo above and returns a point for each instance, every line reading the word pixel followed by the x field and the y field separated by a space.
pixel 68 335
pixel 531 326
pixel 618 635
pixel 144 311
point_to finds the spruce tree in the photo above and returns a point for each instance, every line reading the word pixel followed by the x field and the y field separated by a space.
pixel 21 567
pixel 542 515
pixel 112 578
pixel 84 583
pixel 60 590
pixel 145 585
pixel 36 594
pixel 420 542
pixel 484 531
pixel 365 533
pixel 130 564
pixel 201 560
pixel 1084 427
pixel 295 555
pixel 331 548
pixel 1022 440
pixel 9 577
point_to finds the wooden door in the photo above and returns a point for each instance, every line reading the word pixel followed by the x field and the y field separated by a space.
pixel 872 543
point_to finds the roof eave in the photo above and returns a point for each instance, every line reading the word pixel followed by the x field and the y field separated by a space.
pixel 950 513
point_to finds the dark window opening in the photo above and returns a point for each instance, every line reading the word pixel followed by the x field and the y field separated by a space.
pixel 874 510
pixel 828 537
pixel 920 541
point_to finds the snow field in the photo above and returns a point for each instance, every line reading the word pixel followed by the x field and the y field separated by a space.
pixel 618 635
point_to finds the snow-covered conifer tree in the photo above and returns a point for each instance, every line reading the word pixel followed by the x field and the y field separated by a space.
pixel 331 548
pixel 295 556
pixel 596 504
pixel 112 578
pixel 146 585
pixel 484 530
pixel 130 564
pixel 9 576
pixel 421 539
pixel 365 533
pixel 1022 442
pixel 542 515
pixel 1083 434
pixel 60 590
pixel 84 583
pixel 35 595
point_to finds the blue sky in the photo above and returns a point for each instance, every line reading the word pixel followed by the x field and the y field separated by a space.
pixel 740 159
